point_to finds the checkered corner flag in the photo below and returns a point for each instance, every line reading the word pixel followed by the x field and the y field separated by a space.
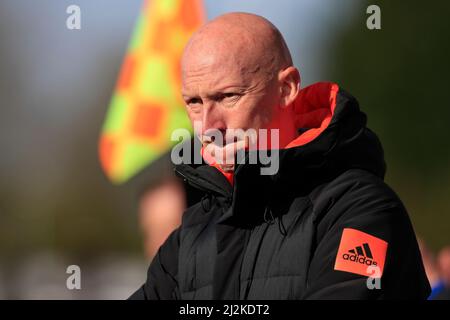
pixel 146 105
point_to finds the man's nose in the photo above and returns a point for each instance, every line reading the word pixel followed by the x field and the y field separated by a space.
pixel 212 119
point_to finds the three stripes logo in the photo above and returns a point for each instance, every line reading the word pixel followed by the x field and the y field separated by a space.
pixel 360 254
pixel 358 251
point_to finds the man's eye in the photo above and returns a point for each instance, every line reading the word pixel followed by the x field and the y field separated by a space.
pixel 230 95
pixel 194 101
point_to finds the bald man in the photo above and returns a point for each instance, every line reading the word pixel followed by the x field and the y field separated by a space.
pixel 323 225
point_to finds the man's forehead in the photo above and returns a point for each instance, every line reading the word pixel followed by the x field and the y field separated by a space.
pixel 215 55
pixel 211 84
pixel 214 75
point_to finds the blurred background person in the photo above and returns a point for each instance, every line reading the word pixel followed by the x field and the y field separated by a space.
pixel 161 205
pixel 443 262
pixel 444 265
pixel 432 270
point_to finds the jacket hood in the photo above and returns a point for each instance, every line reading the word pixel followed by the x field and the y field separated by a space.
pixel 333 138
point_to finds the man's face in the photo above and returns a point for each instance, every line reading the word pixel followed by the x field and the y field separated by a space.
pixel 223 93
pixel 237 75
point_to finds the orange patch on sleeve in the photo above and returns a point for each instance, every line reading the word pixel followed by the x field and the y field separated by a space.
pixel 358 251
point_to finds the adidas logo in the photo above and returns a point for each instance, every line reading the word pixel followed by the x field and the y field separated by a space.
pixel 360 254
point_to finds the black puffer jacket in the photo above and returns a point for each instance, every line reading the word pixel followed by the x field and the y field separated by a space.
pixel 308 232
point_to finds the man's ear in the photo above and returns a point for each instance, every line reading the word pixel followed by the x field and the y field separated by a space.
pixel 289 80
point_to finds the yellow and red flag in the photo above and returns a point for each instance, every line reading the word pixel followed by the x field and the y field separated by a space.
pixel 146 105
